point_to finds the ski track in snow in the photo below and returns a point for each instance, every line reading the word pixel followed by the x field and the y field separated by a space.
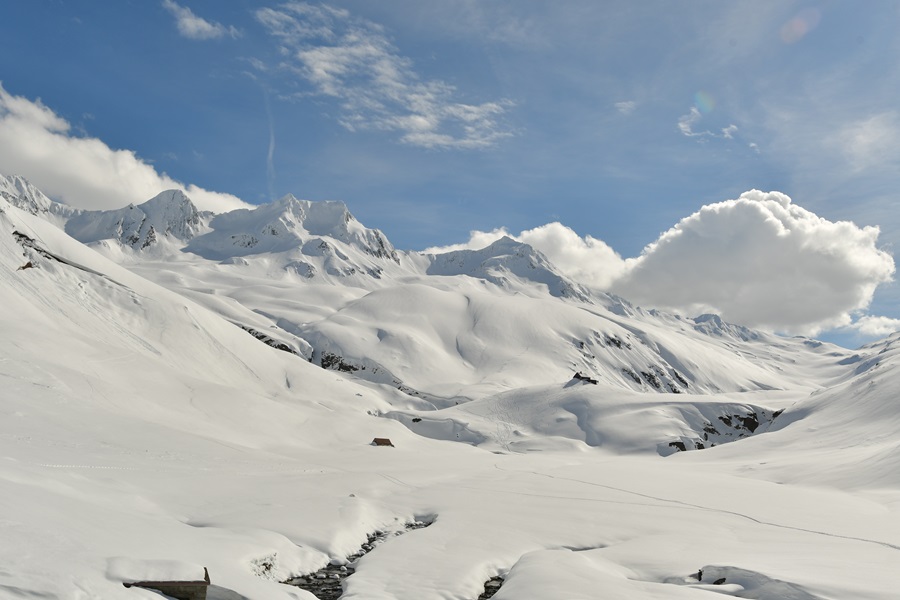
pixel 688 505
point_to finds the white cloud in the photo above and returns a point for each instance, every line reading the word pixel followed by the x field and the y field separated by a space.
pixel 760 261
pixel 875 326
pixel 627 107
pixel 84 172
pixel 477 241
pixel 197 28
pixel 353 61
pixel 763 262
pixel 686 122
pixel 583 259
pixel 686 126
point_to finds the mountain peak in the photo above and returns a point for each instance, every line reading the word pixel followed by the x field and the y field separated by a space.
pixel 22 194
pixel 288 224
pixel 169 214
pixel 501 262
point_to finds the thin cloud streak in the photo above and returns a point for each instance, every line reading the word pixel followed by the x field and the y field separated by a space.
pixel 270 155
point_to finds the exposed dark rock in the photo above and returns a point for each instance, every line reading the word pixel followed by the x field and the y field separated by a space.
pixel 581 377
pixel 269 341
pixel 614 340
pixel 336 363
pixel 651 378
pixel 678 446
pixel 719 581
pixel 632 374
pixel 708 428
pixel 750 422
pixel 491 587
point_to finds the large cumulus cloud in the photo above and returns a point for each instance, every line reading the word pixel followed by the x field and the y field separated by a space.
pixel 762 261
pixel 759 260
pixel 84 172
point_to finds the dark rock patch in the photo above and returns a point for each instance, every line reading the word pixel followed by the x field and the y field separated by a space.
pixel 491 587
pixel 582 377
pixel 633 375
pixel 614 340
pixel 269 341
pixel 336 363
pixel 651 378
pixel 750 422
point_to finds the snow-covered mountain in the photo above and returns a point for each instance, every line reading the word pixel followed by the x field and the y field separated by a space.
pixel 179 393
pixel 286 225
pixel 505 263
pixel 168 216
pixel 20 192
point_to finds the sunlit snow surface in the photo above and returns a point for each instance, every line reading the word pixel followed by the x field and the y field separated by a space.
pixel 143 434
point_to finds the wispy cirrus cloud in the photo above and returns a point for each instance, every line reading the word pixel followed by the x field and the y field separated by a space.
pixel 353 61
pixel 626 107
pixel 195 27
pixel 869 143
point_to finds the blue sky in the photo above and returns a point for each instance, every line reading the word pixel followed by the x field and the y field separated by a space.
pixel 431 120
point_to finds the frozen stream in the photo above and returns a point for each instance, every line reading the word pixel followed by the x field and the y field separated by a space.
pixel 327 582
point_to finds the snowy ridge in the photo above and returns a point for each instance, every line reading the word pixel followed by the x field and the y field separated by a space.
pixel 505 263
pixel 852 425
pixel 169 215
pixel 20 193
pixel 287 224
pixel 485 342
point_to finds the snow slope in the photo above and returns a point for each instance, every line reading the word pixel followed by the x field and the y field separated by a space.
pixel 146 433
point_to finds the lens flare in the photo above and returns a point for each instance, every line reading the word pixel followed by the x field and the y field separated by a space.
pixel 704 102
pixel 797 28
